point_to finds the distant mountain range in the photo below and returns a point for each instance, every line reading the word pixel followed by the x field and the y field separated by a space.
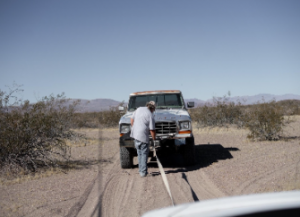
pixel 95 105
pixel 105 104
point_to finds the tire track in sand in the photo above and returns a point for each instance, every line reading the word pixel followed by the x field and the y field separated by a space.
pixel 123 192
pixel 128 194
pixel 264 179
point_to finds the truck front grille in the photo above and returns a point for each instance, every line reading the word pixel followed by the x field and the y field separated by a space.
pixel 165 127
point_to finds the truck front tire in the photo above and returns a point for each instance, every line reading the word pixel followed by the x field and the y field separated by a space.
pixel 189 152
pixel 126 158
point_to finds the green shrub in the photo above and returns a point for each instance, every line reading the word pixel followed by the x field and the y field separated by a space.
pixel 33 135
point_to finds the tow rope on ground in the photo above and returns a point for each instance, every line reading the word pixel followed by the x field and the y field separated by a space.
pixel 164 177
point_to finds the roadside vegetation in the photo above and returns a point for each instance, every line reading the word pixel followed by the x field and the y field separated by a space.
pixel 264 120
pixel 38 135
pixel 103 119
pixel 34 136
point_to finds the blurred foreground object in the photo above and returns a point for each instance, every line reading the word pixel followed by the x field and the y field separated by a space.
pixel 267 204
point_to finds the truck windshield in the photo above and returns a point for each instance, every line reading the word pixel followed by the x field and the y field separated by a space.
pixel 162 101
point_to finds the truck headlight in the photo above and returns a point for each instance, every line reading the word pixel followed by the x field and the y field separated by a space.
pixel 125 128
pixel 185 125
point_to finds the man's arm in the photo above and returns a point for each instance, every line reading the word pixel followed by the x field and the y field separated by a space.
pixel 152 126
pixel 131 121
pixel 153 134
pixel 132 118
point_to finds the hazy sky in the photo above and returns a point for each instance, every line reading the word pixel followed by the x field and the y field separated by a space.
pixel 108 49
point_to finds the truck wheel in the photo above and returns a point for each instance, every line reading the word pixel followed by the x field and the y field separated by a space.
pixel 126 158
pixel 189 152
pixel 151 154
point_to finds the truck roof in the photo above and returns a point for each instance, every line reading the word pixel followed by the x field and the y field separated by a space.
pixel 154 92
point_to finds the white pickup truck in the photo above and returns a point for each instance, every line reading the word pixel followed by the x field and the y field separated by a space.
pixel 173 125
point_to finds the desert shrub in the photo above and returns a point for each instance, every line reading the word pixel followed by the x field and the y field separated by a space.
pixel 107 118
pixel 110 118
pixel 33 135
pixel 219 113
pixel 265 121
pixel 290 107
pixel 86 120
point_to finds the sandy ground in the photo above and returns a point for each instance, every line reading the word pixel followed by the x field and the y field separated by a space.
pixel 227 164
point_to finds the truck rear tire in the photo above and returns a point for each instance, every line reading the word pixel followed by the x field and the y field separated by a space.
pixel 126 158
pixel 189 152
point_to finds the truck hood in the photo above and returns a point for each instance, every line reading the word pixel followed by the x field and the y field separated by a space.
pixel 162 115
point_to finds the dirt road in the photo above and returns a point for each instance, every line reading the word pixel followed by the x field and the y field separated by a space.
pixel 127 194
pixel 227 164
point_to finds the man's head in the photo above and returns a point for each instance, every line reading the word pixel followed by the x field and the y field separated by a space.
pixel 151 106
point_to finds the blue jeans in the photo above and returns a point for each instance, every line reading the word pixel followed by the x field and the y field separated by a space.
pixel 142 151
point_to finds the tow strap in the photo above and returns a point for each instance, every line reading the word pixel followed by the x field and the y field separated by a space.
pixel 164 177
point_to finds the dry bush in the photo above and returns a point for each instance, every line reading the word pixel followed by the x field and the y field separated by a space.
pixel 290 107
pixel 109 118
pixel 265 121
pixel 220 113
pixel 86 120
pixel 33 135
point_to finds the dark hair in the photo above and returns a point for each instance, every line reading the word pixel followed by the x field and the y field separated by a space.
pixel 150 106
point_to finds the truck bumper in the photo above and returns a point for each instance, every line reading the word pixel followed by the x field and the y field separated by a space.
pixel 128 142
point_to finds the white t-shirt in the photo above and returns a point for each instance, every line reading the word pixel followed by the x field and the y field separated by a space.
pixel 143 123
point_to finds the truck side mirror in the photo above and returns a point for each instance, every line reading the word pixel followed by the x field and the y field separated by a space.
pixel 190 104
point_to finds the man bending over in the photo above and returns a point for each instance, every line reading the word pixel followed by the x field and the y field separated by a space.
pixel 142 122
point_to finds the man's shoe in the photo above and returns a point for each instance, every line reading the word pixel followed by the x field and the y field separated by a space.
pixel 143 175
